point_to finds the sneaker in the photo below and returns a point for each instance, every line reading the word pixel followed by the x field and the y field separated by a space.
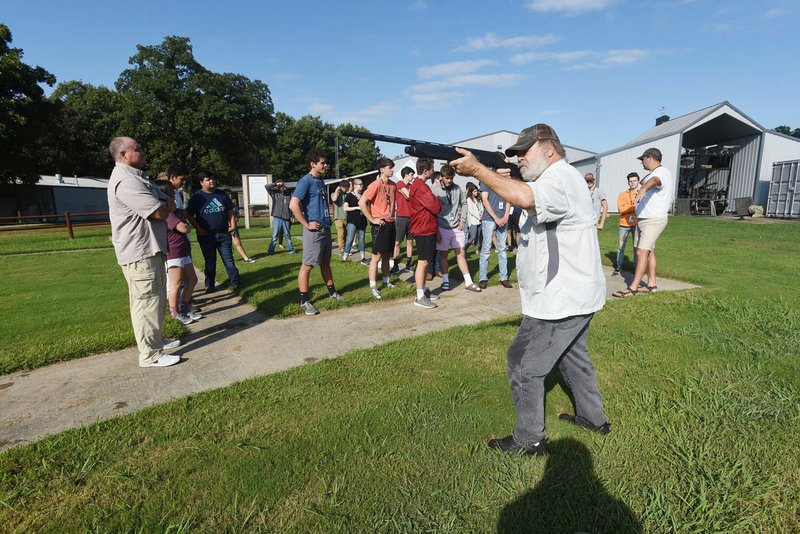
pixel 335 296
pixel 344 257
pixel 395 269
pixel 615 273
pixel 365 261
pixel 165 360
pixel 509 444
pixel 375 292
pixel 249 260
pixel 236 288
pixel 445 286
pixel 183 318
pixel 388 285
pixel 170 344
pixel 195 315
pixel 292 252
pixel 472 287
pixel 280 246
pixel 309 308
pixel 605 428
pixel 211 289
pixel 424 302
pixel 429 295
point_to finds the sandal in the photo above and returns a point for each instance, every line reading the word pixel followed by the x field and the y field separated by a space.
pixel 623 293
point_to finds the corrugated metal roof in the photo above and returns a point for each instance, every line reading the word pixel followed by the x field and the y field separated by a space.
pixel 676 125
pixel 73 181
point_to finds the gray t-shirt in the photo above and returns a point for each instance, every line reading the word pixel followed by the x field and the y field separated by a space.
pixel 598 196
pixel 131 199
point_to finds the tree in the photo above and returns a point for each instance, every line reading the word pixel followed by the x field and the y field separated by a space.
pixel 788 131
pixel 294 138
pixel 356 156
pixel 24 112
pixel 181 112
pixel 86 118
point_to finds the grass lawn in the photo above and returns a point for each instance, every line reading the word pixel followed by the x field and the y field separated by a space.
pixel 702 389
pixel 73 304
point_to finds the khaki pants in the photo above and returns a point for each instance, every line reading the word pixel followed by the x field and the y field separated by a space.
pixel 341 232
pixel 148 297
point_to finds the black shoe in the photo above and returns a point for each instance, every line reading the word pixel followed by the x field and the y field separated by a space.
pixel 395 269
pixel 211 289
pixel 236 288
pixel 509 445
pixel 605 428
pixel 482 284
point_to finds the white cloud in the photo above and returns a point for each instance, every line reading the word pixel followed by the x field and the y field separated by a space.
pixel 418 5
pixel 490 41
pixel 442 92
pixel 318 108
pixel 560 57
pixel 774 12
pixel 586 59
pixel 569 7
pixel 455 68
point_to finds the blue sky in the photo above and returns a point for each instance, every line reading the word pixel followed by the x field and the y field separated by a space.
pixel 599 71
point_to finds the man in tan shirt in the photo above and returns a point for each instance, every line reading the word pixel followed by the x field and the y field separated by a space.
pixel 138 211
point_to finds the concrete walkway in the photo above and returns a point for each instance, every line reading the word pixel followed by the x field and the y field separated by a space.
pixel 233 342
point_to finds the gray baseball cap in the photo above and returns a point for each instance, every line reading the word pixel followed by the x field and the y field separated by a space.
pixel 528 137
pixel 652 152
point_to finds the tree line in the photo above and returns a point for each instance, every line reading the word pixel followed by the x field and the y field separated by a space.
pixel 179 111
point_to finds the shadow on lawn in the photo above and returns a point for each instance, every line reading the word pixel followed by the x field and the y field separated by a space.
pixel 569 498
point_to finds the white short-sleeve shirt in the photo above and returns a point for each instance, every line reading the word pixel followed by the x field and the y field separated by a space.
pixel 558 263
pixel 657 201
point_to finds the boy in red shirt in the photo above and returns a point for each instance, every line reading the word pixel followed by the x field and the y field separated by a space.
pixel 423 209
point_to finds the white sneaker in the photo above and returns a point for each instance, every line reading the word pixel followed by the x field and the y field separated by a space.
pixel 309 308
pixel 336 296
pixel 375 292
pixel 165 360
pixel 170 344
pixel 195 315
pixel 184 318
pixel 388 285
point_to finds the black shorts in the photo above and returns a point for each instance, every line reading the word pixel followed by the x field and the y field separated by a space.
pixel 402 229
pixel 426 247
pixel 383 238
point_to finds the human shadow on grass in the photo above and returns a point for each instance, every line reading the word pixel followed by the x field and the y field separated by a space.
pixel 569 498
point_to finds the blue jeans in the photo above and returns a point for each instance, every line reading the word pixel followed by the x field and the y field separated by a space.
pixel 210 244
pixel 624 232
pixel 281 227
pixel 489 228
pixel 473 233
pixel 351 234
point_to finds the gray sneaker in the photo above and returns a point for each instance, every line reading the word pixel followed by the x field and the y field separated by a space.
pixel 336 296
pixel 195 315
pixel 183 318
pixel 424 302
pixel 375 292
pixel 309 308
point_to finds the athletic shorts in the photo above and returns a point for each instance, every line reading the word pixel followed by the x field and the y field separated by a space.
pixel 426 247
pixel 450 238
pixel 648 231
pixel 316 246
pixel 402 229
pixel 383 238
pixel 183 261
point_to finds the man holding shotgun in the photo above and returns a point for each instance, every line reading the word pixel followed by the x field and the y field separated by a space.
pixel 561 283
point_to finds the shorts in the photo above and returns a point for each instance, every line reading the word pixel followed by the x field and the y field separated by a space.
pixel 183 261
pixel 316 246
pixel 450 238
pixel 383 238
pixel 648 231
pixel 402 229
pixel 426 247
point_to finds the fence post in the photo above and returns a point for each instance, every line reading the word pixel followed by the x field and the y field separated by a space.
pixel 69 226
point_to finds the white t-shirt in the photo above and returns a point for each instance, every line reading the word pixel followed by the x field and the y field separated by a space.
pixel 558 263
pixel 657 201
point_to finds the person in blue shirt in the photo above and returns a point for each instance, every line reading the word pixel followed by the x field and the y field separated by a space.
pixel 211 213
pixel 310 206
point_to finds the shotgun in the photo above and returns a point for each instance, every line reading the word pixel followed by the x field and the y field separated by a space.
pixel 426 149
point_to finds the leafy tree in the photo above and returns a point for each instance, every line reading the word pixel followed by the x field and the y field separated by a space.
pixel 356 156
pixel 788 131
pixel 87 117
pixel 181 112
pixel 24 112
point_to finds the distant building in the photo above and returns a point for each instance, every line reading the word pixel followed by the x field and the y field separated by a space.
pixel 715 152
pixel 55 195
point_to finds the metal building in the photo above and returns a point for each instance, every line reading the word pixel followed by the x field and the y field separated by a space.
pixel 784 190
pixel 719 156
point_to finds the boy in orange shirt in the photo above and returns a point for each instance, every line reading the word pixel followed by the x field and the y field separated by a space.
pixel 626 205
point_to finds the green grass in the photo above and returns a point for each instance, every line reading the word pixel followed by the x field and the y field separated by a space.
pixel 70 305
pixel 702 388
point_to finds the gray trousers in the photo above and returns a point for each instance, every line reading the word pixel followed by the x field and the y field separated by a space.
pixel 537 348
